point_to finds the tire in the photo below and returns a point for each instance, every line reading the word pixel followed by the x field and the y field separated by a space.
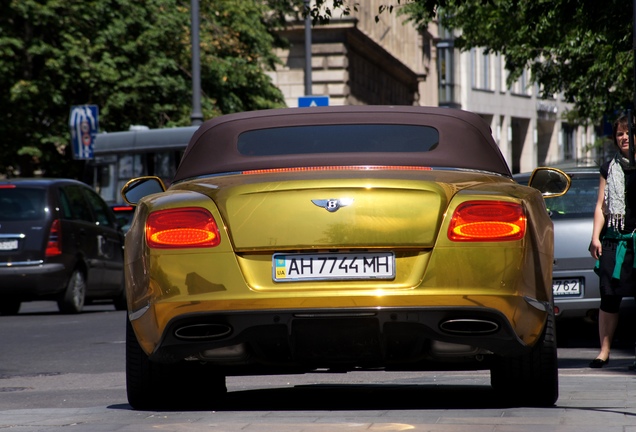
pixel 158 386
pixel 119 301
pixel 74 297
pixel 9 307
pixel 531 379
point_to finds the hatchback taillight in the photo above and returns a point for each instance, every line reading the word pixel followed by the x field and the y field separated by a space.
pixel 487 221
pixel 188 227
pixel 54 244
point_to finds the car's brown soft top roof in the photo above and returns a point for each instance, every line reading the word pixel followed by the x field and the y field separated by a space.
pixel 465 140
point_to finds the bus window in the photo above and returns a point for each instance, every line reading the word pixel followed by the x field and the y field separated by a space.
pixel 130 166
pixel 104 181
pixel 165 165
pixel 121 156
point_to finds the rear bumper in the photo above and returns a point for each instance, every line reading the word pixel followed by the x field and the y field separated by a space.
pixel 26 282
pixel 298 340
pixel 584 305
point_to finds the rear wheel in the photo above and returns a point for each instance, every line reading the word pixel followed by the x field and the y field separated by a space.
pixel 151 385
pixel 9 307
pixel 72 301
pixel 530 379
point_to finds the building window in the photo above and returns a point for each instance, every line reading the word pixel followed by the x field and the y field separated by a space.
pixel 523 85
pixel 481 69
pixel 485 71
pixel 445 66
pixel 569 143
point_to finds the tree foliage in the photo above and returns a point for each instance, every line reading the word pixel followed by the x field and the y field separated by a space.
pixel 581 49
pixel 131 58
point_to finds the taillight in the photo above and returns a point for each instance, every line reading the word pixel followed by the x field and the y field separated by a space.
pixel 122 208
pixel 54 244
pixel 188 227
pixel 484 221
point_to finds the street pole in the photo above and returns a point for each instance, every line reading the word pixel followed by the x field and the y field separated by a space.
pixel 197 116
pixel 308 49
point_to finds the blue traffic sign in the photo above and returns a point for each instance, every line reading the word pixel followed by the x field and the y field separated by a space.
pixel 312 101
pixel 84 124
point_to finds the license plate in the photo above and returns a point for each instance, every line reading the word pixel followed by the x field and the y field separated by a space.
pixel 7 245
pixel 567 287
pixel 333 266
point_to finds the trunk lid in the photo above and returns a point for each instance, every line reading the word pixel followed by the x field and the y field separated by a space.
pixel 334 210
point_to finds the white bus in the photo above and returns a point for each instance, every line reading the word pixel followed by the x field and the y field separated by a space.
pixel 120 156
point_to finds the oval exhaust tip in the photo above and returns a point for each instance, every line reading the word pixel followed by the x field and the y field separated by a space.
pixel 469 326
pixel 203 331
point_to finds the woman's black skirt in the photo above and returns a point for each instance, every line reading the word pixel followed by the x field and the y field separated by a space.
pixel 626 285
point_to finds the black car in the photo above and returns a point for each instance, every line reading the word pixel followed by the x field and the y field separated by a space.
pixel 59 241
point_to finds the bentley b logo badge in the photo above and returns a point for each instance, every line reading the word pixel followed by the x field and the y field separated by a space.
pixel 332 205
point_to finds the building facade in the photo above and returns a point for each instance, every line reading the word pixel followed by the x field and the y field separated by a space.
pixel 529 130
pixel 356 60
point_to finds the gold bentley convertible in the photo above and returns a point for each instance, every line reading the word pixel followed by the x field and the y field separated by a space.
pixel 340 238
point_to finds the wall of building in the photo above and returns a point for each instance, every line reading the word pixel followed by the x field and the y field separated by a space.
pixel 356 60
pixel 530 131
pixel 416 49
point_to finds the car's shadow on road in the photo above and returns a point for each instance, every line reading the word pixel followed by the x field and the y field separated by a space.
pixel 331 397
pixel 356 397
pixel 353 397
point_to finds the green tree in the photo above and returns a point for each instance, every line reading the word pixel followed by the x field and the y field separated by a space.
pixel 581 49
pixel 132 58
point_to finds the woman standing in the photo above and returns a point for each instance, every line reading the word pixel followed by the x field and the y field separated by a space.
pixel 613 237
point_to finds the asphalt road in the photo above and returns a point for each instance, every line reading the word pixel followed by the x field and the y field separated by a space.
pixel 67 372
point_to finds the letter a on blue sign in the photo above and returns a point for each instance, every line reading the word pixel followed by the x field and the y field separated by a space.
pixel 84 126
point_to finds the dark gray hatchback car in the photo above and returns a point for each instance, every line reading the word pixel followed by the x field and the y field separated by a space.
pixel 58 241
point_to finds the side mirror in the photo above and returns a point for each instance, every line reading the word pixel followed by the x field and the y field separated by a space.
pixel 551 182
pixel 138 188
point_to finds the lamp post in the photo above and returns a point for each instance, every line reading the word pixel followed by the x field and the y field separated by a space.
pixel 308 49
pixel 197 116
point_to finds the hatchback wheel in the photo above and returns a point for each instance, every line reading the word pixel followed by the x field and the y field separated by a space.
pixel 74 296
pixel 119 300
pixel 151 385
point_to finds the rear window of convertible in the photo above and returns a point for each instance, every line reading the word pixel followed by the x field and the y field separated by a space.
pixel 338 139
